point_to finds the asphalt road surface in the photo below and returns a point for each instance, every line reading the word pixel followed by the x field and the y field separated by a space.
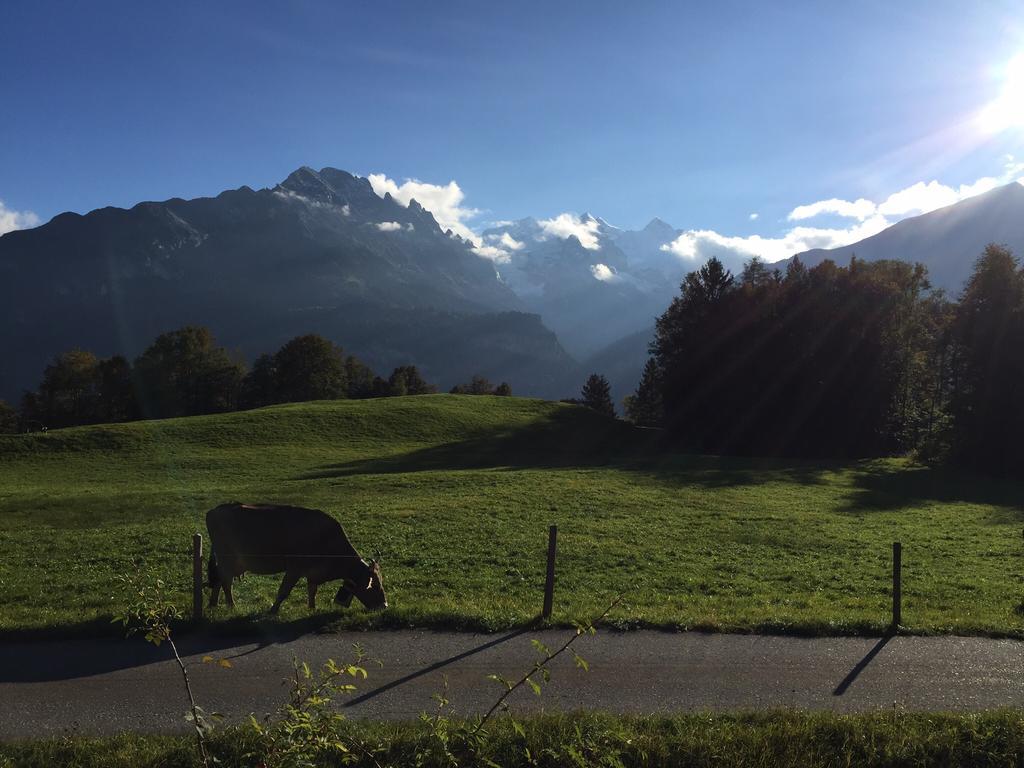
pixel 106 686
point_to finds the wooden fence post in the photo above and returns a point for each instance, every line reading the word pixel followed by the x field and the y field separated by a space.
pixel 197 577
pixel 897 586
pixel 549 582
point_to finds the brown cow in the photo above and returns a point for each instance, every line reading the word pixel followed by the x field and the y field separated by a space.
pixel 308 543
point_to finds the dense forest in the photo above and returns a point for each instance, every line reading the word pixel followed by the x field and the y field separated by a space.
pixel 834 361
pixel 186 373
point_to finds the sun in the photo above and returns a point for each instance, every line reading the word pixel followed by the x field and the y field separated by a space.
pixel 1007 111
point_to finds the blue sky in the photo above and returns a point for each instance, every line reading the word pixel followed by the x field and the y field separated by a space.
pixel 701 114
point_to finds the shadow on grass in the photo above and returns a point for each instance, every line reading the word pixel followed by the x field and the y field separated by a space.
pixel 566 438
pixel 576 438
pixel 882 486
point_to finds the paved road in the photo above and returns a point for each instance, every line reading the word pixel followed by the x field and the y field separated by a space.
pixel 104 686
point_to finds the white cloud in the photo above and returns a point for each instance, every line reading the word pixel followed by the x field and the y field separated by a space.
pixel 870 219
pixel 566 225
pixel 389 226
pixel 755 216
pixel 919 198
pixel 858 209
pixel 604 273
pixel 700 245
pixel 1014 168
pixel 445 202
pixel 11 220
pixel 497 255
pixel 346 210
pixel 507 241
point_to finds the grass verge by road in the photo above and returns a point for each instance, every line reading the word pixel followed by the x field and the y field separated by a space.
pixel 771 739
pixel 455 494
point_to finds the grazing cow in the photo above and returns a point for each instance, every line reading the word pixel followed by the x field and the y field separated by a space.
pixel 300 542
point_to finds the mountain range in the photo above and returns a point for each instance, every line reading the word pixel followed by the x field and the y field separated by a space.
pixel 946 240
pixel 323 252
pixel 592 292
pixel 320 252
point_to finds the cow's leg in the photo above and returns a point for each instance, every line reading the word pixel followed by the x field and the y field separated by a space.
pixel 222 581
pixel 288 583
pixel 226 577
pixel 311 586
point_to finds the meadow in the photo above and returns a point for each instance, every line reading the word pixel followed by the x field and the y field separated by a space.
pixel 455 493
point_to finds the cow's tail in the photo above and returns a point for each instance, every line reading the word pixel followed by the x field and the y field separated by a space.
pixel 212 571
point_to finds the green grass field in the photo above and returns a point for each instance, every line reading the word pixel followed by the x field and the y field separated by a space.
pixel 455 495
pixel 792 739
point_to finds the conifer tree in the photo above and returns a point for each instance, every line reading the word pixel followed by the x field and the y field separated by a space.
pixel 597 395
pixel 643 407
pixel 988 329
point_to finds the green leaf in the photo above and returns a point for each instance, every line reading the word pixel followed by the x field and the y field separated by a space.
pixel 500 679
pixel 534 685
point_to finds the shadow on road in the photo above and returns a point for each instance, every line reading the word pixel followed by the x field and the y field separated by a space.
pixel 40 660
pixel 434 667
pixel 861 665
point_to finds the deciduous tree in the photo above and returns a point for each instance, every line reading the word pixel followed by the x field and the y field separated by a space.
pixel 309 368
pixel 478 385
pixel 68 393
pixel 184 372
pixel 406 380
pixel 8 419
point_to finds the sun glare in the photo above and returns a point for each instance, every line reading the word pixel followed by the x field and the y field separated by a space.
pixel 1007 111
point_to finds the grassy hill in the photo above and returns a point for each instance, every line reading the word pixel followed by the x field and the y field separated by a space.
pixel 455 495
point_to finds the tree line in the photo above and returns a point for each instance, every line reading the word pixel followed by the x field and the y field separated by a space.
pixel 186 373
pixel 862 360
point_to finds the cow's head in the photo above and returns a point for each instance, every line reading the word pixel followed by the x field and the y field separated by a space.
pixel 367 586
